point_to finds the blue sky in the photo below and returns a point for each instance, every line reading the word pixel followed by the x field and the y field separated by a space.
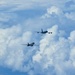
pixel 19 21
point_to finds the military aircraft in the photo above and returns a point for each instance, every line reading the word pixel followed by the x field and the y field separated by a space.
pixel 44 32
pixel 30 44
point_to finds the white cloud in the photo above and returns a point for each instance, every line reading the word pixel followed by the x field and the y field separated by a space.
pixel 55 51
pixel 72 35
pixel 11 49
pixel 70 16
pixel 54 12
pixel 72 56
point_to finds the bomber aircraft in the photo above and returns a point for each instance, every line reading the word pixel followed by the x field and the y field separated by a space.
pixel 44 32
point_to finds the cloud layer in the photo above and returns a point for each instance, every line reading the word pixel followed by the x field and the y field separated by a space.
pixel 55 54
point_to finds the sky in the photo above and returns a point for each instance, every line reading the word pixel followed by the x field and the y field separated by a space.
pixel 19 22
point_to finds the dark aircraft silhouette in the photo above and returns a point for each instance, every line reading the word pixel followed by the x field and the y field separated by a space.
pixel 44 32
pixel 30 44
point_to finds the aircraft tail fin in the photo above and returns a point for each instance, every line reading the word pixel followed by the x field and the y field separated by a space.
pixel 41 30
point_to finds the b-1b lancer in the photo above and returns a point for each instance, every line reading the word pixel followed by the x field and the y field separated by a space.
pixel 44 32
pixel 30 44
